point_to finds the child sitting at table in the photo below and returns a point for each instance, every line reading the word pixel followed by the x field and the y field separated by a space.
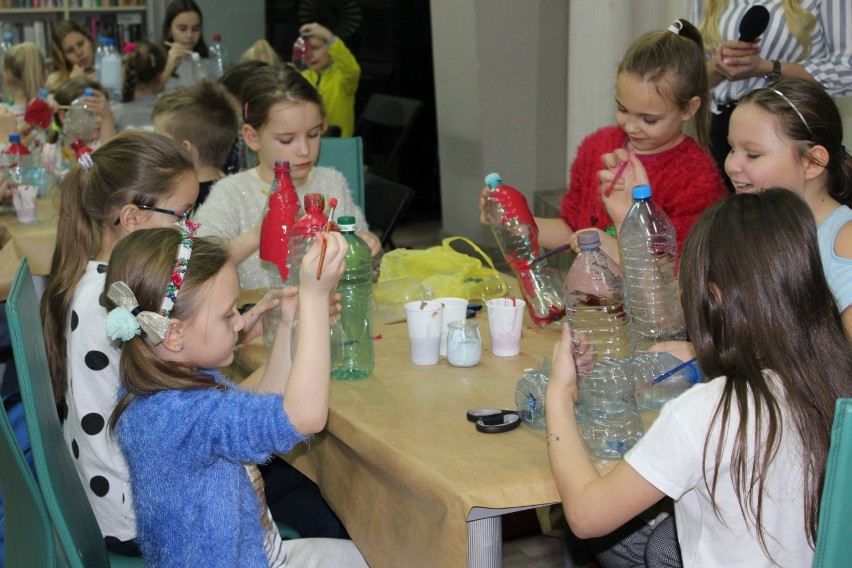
pixel 203 119
pixel 144 64
pixel 661 84
pixel 284 119
pixel 186 431
pixel 743 455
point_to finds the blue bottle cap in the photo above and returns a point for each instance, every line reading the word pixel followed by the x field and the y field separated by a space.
pixel 88 92
pixel 642 191
pixel 693 374
pixel 493 179
pixel 14 138
pixel 588 240
pixel 42 93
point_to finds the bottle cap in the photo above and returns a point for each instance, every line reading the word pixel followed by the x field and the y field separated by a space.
pixel 217 37
pixel 589 240
pixel 88 92
pixel 346 224
pixel 642 191
pixel 493 179
pixel 42 93
pixel 13 138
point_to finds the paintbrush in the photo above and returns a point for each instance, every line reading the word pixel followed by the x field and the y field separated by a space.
pixel 327 228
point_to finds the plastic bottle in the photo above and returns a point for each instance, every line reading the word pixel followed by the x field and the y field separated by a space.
pixel 109 75
pixel 24 168
pixel 199 66
pixel 304 233
pixel 219 57
pixel 79 124
pixel 301 53
pixel 646 368
pixel 649 256
pixel 281 213
pixel 99 54
pixel 355 289
pixel 530 395
pixel 517 235
pixel 606 407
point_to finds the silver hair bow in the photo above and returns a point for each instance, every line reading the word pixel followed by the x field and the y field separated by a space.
pixel 120 321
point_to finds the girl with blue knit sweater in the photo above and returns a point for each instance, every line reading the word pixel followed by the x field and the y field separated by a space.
pixel 190 437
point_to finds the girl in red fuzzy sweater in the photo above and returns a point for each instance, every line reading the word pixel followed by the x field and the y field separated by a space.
pixel 661 84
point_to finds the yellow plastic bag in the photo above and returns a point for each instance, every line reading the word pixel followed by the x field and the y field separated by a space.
pixel 447 272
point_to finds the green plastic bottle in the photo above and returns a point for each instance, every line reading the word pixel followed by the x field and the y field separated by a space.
pixel 355 289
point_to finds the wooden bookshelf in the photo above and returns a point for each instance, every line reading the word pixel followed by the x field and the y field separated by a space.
pixel 32 20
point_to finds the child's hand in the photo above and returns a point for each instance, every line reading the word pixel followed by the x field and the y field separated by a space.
pixel 77 71
pixel 98 104
pixel 8 123
pixel 5 188
pixel 253 328
pixel 482 197
pixel 316 30
pixel 620 199
pixel 563 376
pixel 372 241
pixel 332 264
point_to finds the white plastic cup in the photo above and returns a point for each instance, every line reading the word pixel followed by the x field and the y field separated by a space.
pixel 455 309
pixel 505 320
pixel 24 199
pixel 424 330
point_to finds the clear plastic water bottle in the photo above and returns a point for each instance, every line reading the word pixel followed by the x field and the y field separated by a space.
pixel 655 381
pixel 220 59
pixel 301 52
pixel 199 66
pixel 5 46
pixel 530 396
pixel 99 54
pixel 79 124
pixel 516 233
pixel 650 259
pixel 606 407
pixel 355 289
pixel 109 75
pixel 282 210
pixel 24 169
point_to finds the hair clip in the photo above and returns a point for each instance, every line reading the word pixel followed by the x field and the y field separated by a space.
pixel 127 320
pixel 675 27
pixel 187 238
pixel 128 47
pixel 245 111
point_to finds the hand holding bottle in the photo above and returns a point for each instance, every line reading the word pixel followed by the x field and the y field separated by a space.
pixel 622 172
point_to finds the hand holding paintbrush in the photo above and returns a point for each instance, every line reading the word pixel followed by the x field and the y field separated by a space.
pixel 326 229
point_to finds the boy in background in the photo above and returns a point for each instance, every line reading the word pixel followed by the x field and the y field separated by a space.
pixel 203 119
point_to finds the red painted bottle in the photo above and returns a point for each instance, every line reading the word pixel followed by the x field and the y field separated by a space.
pixel 282 210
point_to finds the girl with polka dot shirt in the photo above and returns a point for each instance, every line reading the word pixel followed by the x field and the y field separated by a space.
pixel 187 432
pixel 135 180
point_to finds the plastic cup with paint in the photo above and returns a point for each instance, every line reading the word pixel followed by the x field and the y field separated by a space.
pixel 505 320
pixel 24 198
pixel 455 309
pixel 424 330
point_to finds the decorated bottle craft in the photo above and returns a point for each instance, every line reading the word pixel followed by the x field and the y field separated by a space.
pixel 282 210
pixel 517 235
pixel 305 231
pixel 301 53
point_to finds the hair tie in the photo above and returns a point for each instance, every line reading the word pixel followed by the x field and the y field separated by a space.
pixel 127 320
pixel 675 27
pixel 128 47
pixel 843 150
pixel 85 160
pixel 245 111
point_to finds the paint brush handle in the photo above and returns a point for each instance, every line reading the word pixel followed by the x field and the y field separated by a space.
pixel 618 173
pixel 665 375
pixel 551 252
pixel 326 229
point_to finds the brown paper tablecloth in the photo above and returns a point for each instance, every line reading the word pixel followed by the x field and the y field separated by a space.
pixel 35 241
pixel 401 465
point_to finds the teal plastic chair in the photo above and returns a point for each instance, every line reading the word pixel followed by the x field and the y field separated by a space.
pixel 833 549
pixel 63 493
pixel 29 534
pixel 346 155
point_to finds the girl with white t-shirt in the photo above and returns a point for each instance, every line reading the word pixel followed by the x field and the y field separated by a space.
pixel 742 455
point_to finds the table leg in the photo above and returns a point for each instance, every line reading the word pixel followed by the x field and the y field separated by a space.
pixel 485 543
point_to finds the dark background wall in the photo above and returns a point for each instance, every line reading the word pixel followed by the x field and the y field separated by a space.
pixel 393 44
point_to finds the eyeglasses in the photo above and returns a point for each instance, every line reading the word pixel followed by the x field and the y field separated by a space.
pixel 182 215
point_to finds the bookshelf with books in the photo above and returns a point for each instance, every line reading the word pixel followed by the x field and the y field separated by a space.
pixel 32 20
